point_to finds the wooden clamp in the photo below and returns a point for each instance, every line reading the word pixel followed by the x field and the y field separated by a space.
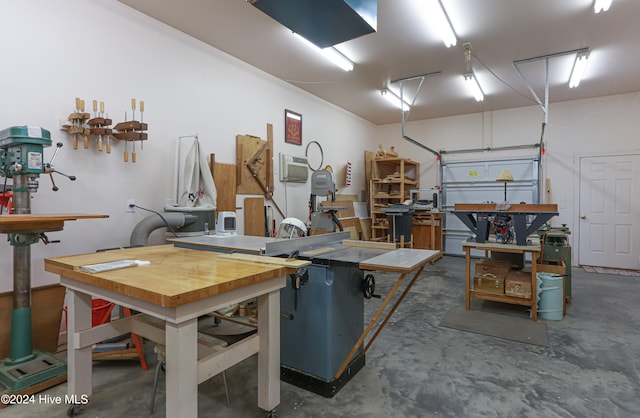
pixel 131 131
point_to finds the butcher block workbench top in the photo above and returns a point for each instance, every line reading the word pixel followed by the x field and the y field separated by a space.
pixel 176 276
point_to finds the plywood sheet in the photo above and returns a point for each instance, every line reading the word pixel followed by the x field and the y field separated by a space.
pixel 46 312
pixel 365 224
pixel 347 196
pixel 369 167
pixel 254 216
pixel 401 260
pixel 224 177
pixel 353 226
pixel 254 151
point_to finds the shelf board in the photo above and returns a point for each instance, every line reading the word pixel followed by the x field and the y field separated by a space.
pixel 500 298
pixel 395 181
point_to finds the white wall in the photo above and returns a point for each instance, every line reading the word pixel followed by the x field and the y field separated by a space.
pixel 54 51
pixel 584 127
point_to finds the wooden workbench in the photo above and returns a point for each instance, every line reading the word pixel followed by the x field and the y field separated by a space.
pixel 177 287
pixel 492 246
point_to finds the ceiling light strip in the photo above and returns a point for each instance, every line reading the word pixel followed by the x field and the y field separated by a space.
pixel 601 5
pixel 444 27
pixel 337 58
pixel 579 65
pixel 330 53
pixel 473 86
pixel 395 100
pixel 433 14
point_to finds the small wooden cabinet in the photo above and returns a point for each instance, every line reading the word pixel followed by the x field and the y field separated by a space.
pixel 393 179
pixel 427 230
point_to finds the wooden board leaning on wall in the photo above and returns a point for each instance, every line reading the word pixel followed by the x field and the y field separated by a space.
pixel 252 150
pixel 224 177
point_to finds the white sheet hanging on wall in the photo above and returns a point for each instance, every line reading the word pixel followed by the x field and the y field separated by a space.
pixel 195 182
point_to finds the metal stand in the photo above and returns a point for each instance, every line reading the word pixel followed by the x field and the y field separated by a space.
pixel 24 367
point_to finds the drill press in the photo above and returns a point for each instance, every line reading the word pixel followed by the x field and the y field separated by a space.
pixel 21 158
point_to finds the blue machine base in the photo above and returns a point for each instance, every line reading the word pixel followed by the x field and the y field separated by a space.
pixel 319 386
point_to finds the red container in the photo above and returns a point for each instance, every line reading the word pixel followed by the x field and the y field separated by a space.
pixel 100 311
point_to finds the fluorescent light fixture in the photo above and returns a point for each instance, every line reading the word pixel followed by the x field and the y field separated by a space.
pixel 330 53
pixel 394 99
pixel 337 58
pixel 433 12
pixel 473 86
pixel 578 68
pixel 601 5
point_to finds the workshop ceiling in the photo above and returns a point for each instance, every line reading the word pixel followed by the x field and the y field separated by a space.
pixel 500 32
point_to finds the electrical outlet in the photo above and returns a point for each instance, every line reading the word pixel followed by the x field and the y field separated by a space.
pixel 131 203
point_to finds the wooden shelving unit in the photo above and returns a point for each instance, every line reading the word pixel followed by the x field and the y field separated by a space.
pixel 393 179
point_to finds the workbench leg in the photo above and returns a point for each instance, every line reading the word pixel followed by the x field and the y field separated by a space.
pixel 79 359
pixel 534 285
pixel 393 308
pixel 370 326
pixel 182 369
pixel 269 351
pixel 467 302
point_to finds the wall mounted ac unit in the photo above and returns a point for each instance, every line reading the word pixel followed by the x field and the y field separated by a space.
pixel 293 169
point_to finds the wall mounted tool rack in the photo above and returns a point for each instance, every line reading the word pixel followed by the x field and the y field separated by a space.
pixel 132 131
pixel 99 126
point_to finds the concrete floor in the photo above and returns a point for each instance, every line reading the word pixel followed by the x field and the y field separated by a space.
pixel 418 369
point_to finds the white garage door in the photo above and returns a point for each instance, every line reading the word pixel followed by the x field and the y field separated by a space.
pixel 475 182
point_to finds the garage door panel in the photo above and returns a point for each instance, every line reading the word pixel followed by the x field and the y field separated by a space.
pixel 475 182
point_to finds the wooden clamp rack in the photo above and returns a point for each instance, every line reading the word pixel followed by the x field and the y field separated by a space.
pixel 78 126
pixel 132 131
pixel 99 126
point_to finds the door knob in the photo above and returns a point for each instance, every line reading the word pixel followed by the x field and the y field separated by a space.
pixel 583 216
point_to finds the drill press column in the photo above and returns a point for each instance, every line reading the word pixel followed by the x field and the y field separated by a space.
pixel 20 348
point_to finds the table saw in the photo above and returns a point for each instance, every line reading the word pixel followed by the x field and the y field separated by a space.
pixel 323 328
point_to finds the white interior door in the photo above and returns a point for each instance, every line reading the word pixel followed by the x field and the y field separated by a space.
pixel 610 211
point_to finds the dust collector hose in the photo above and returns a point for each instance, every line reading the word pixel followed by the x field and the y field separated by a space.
pixel 144 228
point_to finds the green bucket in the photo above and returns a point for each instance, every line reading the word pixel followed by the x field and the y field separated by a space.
pixel 549 295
